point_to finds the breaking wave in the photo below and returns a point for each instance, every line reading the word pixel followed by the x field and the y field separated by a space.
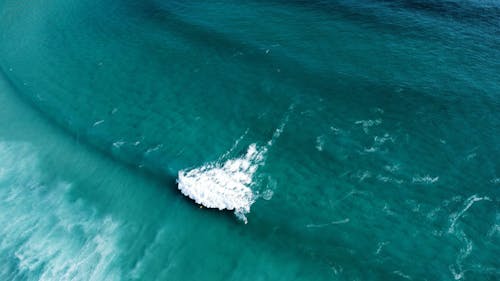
pixel 226 185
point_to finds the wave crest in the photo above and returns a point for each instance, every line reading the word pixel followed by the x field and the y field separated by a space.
pixel 224 186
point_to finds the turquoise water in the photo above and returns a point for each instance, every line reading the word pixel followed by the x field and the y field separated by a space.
pixel 377 125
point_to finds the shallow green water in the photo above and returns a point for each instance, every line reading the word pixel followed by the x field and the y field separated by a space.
pixel 380 123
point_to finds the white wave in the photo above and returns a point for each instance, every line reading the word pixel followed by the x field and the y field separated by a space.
pixel 225 186
pixel 44 236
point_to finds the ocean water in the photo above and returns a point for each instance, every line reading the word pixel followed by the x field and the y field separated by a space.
pixel 343 140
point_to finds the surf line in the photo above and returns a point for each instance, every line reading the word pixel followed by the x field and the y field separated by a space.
pixel 226 184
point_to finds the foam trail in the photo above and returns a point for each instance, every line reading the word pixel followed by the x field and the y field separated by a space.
pixel 470 201
pixel 346 220
pixel 235 145
pixel 277 133
pixel 226 185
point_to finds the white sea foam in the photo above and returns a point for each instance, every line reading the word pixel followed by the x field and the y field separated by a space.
pixel 267 194
pixel 224 185
pixel 320 143
pixel 427 179
pixel 335 131
pixel 366 124
pixel 468 203
pixel 380 140
pixel 118 144
pixel 383 178
pixel 96 123
pixel 392 168
pixel 227 184
pixel 401 274
pixel 458 269
pixel 362 175
pixel 40 227
pixel 381 245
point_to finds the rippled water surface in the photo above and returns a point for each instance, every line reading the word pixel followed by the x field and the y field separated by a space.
pixel 358 140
